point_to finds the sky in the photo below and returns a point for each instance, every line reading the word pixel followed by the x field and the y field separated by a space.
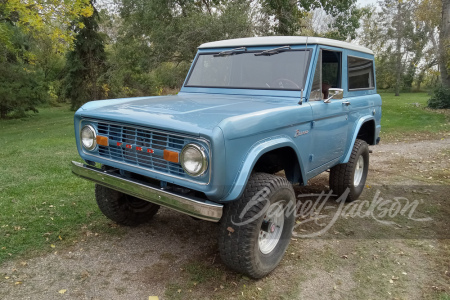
pixel 365 2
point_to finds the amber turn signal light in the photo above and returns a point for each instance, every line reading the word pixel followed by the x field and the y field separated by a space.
pixel 102 140
pixel 171 156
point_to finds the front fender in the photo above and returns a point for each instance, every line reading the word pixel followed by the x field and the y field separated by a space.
pixel 256 151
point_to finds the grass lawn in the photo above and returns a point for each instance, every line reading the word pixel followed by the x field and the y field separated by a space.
pixel 406 115
pixel 42 205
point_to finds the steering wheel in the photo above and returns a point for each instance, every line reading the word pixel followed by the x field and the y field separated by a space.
pixel 284 83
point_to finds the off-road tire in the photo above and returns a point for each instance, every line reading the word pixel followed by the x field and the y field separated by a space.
pixel 122 208
pixel 239 244
pixel 342 175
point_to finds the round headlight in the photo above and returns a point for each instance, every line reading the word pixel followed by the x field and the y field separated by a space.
pixel 88 137
pixel 193 160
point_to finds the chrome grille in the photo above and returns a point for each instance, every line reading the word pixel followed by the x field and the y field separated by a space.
pixel 147 139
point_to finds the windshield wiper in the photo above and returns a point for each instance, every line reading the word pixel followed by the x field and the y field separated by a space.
pixel 273 51
pixel 231 52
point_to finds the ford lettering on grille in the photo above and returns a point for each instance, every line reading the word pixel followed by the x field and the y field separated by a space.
pixel 141 147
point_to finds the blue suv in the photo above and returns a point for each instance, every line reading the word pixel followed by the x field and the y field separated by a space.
pixel 248 109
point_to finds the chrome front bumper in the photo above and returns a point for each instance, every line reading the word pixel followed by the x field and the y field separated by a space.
pixel 195 207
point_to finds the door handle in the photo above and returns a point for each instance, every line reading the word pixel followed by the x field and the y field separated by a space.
pixel 346 103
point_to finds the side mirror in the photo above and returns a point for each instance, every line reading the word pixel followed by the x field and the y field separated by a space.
pixel 334 94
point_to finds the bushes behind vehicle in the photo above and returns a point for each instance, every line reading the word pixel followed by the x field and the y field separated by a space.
pixel 440 98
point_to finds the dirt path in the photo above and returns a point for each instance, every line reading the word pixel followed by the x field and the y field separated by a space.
pixel 175 256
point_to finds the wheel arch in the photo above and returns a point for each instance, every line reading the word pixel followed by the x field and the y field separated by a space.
pixel 283 158
pixel 365 130
pixel 261 153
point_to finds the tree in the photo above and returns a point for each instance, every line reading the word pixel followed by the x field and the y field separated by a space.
pixel 371 33
pixel 397 24
pixel 403 36
pixel 290 14
pixel 21 86
pixel 172 30
pixel 429 17
pixel 287 13
pixel 31 31
pixel 441 95
pixel 155 40
pixel 42 18
pixel 85 63
pixel 444 44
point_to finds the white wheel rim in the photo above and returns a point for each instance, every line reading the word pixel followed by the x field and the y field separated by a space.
pixel 268 240
pixel 359 170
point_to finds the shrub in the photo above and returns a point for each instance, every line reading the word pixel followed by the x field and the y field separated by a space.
pixel 21 89
pixel 440 98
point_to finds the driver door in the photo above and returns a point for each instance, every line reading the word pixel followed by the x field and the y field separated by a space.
pixel 330 120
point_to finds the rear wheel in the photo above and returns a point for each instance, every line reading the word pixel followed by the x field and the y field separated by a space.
pixel 352 175
pixel 256 229
pixel 122 208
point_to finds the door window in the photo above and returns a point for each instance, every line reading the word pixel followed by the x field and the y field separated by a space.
pixel 327 74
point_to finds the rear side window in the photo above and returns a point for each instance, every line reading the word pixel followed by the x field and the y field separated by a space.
pixel 360 73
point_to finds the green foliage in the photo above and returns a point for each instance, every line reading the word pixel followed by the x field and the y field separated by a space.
pixel 151 42
pixel 21 89
pixel 385 74
pixel 346 16
pixel 290 16
pixel 287 13
pixel 42 19
pixel 403 38
pixel 168 75
pixel 153 36
pixel 172 30
pixel 157 40
pixel 85 64
pixel 33 35
pixel 440 98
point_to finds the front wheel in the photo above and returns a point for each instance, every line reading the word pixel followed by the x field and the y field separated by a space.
pixel 351 177
pixel 122 208
pixel 256 229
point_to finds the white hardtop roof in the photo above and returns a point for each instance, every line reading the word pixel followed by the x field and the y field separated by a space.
pixel 283 41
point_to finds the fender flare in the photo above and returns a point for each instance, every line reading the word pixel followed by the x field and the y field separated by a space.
pixel 358 126
pixel 256 151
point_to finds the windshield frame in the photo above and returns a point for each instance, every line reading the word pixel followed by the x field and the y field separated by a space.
pixel 254 51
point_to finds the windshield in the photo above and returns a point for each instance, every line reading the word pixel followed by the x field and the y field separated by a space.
pixel 244 70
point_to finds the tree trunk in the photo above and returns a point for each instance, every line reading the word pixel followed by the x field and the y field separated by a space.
pixel 3 112
pixel 445 44
pixel 419 81
pixel 398 64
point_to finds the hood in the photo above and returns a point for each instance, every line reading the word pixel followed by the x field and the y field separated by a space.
pixel 186 112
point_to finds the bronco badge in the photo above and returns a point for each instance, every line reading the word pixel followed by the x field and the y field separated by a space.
pixel 299 133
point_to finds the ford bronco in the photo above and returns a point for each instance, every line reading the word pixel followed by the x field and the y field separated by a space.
pixel 248 109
